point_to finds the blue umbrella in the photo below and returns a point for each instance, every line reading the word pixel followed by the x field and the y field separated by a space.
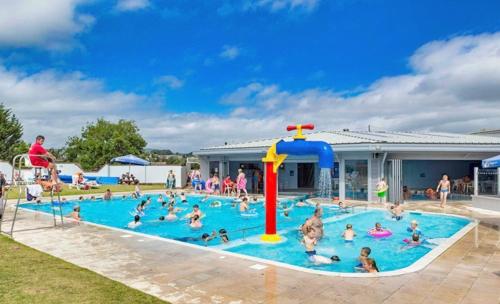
pixel 493 162
pixel 131 160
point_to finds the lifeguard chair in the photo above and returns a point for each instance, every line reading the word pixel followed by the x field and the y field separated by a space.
pixel 20 162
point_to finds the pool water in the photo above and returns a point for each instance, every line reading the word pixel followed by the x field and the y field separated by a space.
pixel 244 231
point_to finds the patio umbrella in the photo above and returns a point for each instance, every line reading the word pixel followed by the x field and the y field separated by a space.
pixel 493 162
pixel 131 160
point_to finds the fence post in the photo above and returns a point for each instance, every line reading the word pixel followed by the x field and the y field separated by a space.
pixel 476 181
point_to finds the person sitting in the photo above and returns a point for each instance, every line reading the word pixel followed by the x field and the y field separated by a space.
pixel 133 180
pixel 76 214
pixel 431 194
pixel 406 193
pixel 228 186
pixel 107 195
pixel 135 223
pixel 42 158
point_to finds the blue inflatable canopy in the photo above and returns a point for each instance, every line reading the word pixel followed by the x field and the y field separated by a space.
pixel 130 160
pixel 493 162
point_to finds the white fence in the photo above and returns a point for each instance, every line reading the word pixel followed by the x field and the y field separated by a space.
pixel 145 174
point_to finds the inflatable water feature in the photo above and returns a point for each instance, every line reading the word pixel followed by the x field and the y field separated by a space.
pixel 380 233
pixel 276 155
pixel 208 187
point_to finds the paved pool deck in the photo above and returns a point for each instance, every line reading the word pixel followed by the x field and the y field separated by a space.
pixel 463 274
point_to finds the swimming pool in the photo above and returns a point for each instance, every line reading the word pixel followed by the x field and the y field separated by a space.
pixel 244 231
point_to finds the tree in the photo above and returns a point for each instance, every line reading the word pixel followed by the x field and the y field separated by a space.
pixel 11 132
pixel 103 140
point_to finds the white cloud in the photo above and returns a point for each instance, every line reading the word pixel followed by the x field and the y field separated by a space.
pixel 171 81
pixel 131 5
pixel 453 86
pixel 25 23
pixel 229 52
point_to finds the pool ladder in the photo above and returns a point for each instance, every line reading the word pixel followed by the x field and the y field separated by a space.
pixel 20 160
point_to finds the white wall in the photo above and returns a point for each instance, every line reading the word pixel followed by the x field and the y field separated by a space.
pixel 145 174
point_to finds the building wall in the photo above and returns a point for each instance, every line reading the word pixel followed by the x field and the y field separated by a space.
pixel 285 178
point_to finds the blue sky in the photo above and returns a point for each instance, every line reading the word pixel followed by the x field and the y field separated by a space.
pixel 208 61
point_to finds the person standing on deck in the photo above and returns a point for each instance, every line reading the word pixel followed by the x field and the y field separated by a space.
pixel 443 188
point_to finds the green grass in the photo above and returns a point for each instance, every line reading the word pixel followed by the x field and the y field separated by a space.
pixel 30 276
pixel 114 188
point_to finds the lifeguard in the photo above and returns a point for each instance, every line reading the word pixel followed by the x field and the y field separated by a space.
pixel 42 158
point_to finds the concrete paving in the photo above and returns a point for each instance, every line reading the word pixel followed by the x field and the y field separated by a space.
pixel 175 273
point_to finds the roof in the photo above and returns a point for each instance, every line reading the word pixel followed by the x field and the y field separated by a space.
pixel 340 138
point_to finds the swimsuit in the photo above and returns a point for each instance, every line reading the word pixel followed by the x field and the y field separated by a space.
pixel 311 253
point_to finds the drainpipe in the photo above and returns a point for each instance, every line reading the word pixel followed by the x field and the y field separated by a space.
pixel 382 173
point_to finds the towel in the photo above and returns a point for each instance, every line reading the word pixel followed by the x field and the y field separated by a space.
pixel 34 190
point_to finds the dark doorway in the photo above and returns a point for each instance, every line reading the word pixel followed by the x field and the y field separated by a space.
pixel 305 175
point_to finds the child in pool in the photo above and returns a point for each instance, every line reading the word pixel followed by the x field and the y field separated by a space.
pixel 370 266
pixel 196 211
pixel 349 233
pixel 342 208
pixel 244 205
pixel 135 223
pixel 195 222
pixel 397 211
pixel 124 197
pixel 160 199
pixel 300 203
pixel 76 214
pixel 215 204
pixel 309 242
pixel 171 216
pixel 148 201
pixel 378 228
pixel 363 255
pixel 172 198
pixel 414 228
pixel 137 191
pixel 223 235
pixel 183 198
pixel 204 199
pixel 80 198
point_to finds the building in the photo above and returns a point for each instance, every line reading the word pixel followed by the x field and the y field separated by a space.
pixel 362 158
pixel 495 133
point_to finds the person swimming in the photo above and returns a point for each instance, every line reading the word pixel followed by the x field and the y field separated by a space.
pixel 397 211
pixel 216 204
pixel 160 200
pixel 363 255
pixel 414 228
pixel 183 198
pixel 300 203
pixel 195 222
pixel 244 205
pixel 135 223
pixel 205 237
pixel 171 216
pixel 223 235
pixel 348 233
pixel 370 265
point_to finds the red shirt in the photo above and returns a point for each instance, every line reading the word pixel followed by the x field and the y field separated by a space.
pixel 37 149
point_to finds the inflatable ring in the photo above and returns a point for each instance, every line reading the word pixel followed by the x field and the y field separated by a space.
pixel 380 234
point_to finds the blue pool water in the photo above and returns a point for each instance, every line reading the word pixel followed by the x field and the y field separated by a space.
pixel 244 231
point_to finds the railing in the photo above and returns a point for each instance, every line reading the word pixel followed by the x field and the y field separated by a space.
pixel 487 181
